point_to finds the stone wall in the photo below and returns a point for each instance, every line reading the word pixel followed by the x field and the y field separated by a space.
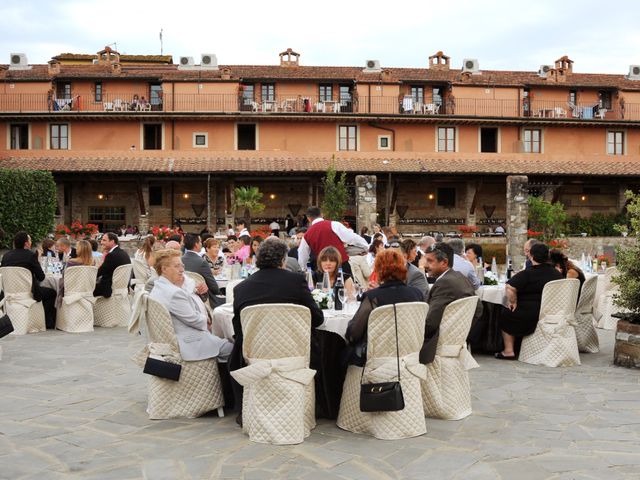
pixel 627 348
pixel 595 245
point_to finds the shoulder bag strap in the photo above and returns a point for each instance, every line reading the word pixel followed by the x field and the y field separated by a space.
pixel 395 319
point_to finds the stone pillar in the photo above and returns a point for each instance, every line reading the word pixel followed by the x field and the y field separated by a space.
pixel 366 203
pixel 517 217
pixel 143 224
pixel 471 193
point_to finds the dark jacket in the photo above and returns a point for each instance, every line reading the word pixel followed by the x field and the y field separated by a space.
pixel 195 263
pixel 449 287
pixel 24 258
pixel 105 273
pixel 271 285
pixel 72 254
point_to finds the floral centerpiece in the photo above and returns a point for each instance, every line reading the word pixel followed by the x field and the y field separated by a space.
pixel 321 298
pixel 490 278
pixel 162 233
pixel 76 229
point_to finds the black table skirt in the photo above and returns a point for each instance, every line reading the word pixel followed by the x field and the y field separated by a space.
pixel 485 336
pixel 327 358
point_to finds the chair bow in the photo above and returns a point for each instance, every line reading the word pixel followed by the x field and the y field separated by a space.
pixel 138 312
pixel 556 325
pixel 120 292
pixel 74 297
pixel 21 298
pixel 460 352
pixel 289 368
pixel 381 369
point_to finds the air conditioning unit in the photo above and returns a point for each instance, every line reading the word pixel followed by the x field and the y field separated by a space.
pixel 544 70
pixel 209 61
pixel 96 61
pixel 18 61
pixel 372 66
pixel 634 72
pixel 471 65
pixel 186 63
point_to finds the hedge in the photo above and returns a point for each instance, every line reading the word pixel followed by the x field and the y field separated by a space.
pixel 27 202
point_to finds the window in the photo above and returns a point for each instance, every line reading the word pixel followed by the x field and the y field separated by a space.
pixel 63 90
pixel 347 137
pixel 615 142
pixel 268 92
pixel 531 139
pixel 446 197
pixel 573 96
pixel 326 92
pixel 418 94
pixel 246 136
pixel 346 104
pixel 384 142
pixel 19 136
pixel 108 219
pixel 604 99
pixel 489 140
pixel 247 95
pixel 446 139
pixel 98 92
pixel 59 136
pixel 200 140
pixel 436 95
pixel 152 136
pixel 155 195
pixel 155 96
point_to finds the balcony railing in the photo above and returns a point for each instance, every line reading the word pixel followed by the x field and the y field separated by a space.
pixel 292 104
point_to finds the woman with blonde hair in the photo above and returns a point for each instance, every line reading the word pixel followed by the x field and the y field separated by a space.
pixel 84 258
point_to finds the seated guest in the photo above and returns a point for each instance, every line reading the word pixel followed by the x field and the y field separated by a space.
pixel 524 295
pixel 94 250
pixel 415 277
pixel 360 267
pixel 213 256
pixel 173 245
pixel 293 252
pixel 22 256
pixel 48 248
pixel 241 228
pixel 114 258
pixel 188 313
pixel 244 248
pixel 83 258
pixel 391 270
pixel 145 252
pixel 527 251
pixel 472 253
pixel 375 248
pixel 329 260
pixel 193 262
pixel 271 284
pixel 275 228
pixel 566 267
pixel 255 244
pixel 364 233
pixel 230 231
pixel 448 287
pixel 461 264
pixel 378 233
pixel 65 250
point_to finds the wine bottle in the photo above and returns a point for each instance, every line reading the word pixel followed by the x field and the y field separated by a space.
pixel 338 290
pixel 509 268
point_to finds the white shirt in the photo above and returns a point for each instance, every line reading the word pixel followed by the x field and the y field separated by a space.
pixel 274 226
pixel 466 268
pixel 345 234
pixel 244 233
pixel 384 238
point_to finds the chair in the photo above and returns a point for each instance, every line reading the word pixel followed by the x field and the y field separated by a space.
pixel 320 107
pixel 605 302
pixel 27 315
pixel 381 367
pixel 141 274
pixel 76 312
pixel 601 113
pixel 195 276
pixel 115 310
pixel 446 393
pixel 229 290
pixel 559 112
pixel 585 321
pixel 554 342
pixel 108 106
pixel 278 403
pixel 431 108
pixel 199 389
pixel 255 106
pixel 117 105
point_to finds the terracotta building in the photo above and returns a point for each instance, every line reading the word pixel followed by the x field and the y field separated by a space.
pixel 136 139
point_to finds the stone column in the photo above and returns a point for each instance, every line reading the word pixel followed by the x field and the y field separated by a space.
pixel 517 217
pixel 366 203
pixel 471 193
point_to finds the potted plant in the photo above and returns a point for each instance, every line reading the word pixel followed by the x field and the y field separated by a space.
pixel 467 230
pixel 628 264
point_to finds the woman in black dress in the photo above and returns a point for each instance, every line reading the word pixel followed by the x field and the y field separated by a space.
pixel 524 295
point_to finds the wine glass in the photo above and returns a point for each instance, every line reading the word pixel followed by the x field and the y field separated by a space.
pixel 341 295
pixel 326 283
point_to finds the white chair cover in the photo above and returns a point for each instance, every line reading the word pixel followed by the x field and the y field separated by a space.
pixel 141 274
pixel 605 302
pixel 115 310
pixel 229 290
pixel 76 312
pixel 381 366
pixel 199 389
pixel 195 276
pixel 554 342
pixel 446 392
pixel 585 330
pixel 27 315
pixel 278 404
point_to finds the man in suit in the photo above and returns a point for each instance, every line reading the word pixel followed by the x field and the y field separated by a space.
pixel 448 287
pixel 415 277
pixel 271 284
pixel 65 250
pixel 22 256
pixel 115 257
pixel 193 262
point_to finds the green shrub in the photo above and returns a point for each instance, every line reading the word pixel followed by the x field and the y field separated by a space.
pixel 27 202
pixel 597 225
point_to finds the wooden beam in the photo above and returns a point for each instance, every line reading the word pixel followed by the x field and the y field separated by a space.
pixel 143 210
pixel 474 202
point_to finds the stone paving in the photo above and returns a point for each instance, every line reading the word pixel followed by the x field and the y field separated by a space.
pixel 73 406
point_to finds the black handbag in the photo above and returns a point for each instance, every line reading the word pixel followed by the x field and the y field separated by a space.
pixel 6 327
pixel 386 396
pixel 162 369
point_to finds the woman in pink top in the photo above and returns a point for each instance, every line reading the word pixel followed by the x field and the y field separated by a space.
pixel 245 251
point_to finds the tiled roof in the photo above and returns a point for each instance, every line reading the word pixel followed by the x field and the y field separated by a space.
pixel 292 162
pixel 123 58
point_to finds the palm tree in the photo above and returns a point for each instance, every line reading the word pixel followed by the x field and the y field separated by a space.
pixel 249 199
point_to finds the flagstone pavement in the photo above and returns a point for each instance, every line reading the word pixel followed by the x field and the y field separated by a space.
pixel 73 406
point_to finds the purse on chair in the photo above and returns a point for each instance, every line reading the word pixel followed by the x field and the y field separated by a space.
pixel 386 396
pixel 162 369
pixel 6 327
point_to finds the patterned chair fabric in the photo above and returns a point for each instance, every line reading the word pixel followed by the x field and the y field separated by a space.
pixel 195 276
pixel 115 310
pixel 446 392
pixel 27 315
pixel 141 274
pixel 585 321
pixel 278 404
pixel 199 389
pixel 229 290
pixel 605 302
pixel 554 342
pixel 381 366
pixel 76 311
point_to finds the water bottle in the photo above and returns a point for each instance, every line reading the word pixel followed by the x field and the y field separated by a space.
pixel 480 270
pixel 243 270
pixel 588 263
pixel 494 267
pixel 338 290
pixel 582 261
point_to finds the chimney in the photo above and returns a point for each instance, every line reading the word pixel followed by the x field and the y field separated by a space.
pixel 116 68
pixel 289 58
pixel 439 61
pixel 54 67
pixel 226 74
pixel 565 64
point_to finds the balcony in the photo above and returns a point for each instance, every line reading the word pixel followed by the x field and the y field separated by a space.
pixel 311 105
